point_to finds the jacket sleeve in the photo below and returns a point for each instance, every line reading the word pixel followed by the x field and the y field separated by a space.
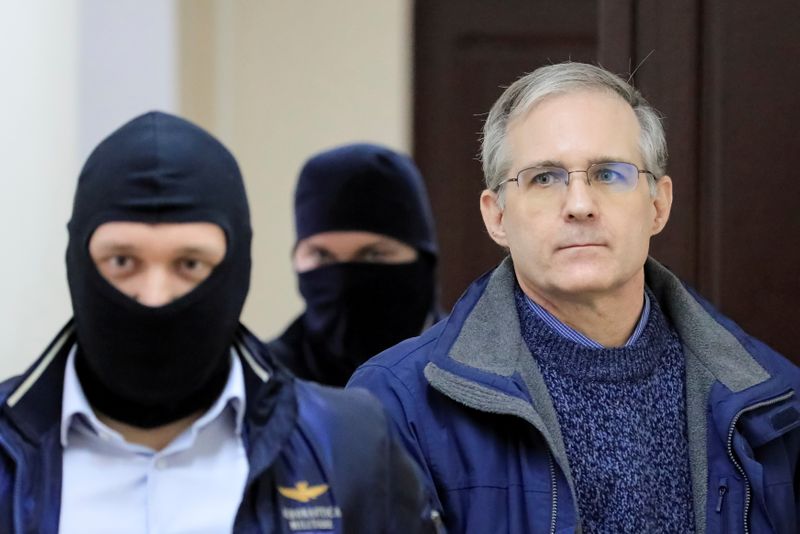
pixel 398 403
pixel 378 486
pixel 410 505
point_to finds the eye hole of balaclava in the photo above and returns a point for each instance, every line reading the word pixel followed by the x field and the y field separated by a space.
pixel 155 264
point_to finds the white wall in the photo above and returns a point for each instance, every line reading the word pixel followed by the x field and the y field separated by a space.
pixel 38 95
pixel 127 64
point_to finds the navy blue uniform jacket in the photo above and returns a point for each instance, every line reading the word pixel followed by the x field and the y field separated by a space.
pixel 294 432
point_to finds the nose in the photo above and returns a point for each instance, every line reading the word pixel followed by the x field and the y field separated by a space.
pixel 579 201
pixel 154 288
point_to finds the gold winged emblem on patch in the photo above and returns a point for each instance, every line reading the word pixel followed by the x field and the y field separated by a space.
pixel 302 492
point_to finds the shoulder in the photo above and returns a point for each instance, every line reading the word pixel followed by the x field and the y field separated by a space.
pixel 407 360
pixel 396 377
pixel 402 365
pixel 734 357
pixel 7 388
pixel 773 362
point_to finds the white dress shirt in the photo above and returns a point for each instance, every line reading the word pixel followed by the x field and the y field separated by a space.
pixel 194 485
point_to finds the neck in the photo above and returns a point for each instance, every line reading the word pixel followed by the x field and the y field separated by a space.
pixel 155 438
pixel 608 318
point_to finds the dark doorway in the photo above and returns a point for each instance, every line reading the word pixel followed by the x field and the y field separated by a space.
pixel 724 74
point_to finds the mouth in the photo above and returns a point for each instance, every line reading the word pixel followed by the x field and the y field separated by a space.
pixel 578 246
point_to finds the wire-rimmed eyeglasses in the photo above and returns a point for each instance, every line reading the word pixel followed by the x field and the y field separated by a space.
pixel 612 176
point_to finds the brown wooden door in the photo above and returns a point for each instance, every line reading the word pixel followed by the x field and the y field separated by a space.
pixel 725 74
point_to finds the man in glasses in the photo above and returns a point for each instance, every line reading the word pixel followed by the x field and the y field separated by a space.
pixel 580 385
pixel 154 409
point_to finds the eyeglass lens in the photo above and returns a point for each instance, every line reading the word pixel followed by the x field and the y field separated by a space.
pixel 612 176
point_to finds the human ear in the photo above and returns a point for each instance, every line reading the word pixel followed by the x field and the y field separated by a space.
pixel 492 213
pixel 662 203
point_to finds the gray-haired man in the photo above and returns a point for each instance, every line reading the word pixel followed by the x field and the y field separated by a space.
pixel 580 386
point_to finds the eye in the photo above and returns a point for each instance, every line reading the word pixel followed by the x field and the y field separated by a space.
pixel 607 176
pixel 193 269
pixel 190 264
pixel 542 178
pixel 322 256
pixel 374 256
pixel 120 264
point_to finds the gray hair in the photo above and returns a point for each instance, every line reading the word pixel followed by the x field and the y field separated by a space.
pixel 560 79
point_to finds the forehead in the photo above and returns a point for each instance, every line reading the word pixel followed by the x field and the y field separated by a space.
pixel 136 235
pixel 575 128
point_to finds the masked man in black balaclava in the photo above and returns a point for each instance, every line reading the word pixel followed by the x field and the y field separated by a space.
pixel 365 258
pixel 154 409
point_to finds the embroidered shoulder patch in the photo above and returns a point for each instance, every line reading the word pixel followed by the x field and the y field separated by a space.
pixel 302 492
pixel 320 516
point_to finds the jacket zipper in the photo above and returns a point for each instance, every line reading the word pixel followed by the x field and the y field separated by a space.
pixel 553 491
pixel 732 456
pixel 723 489
pixel 436 518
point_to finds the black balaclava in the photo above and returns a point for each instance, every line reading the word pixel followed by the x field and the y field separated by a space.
pixel 148 366
pixel 355 310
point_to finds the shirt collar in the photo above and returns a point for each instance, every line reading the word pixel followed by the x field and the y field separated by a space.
pixel 75 406
pixel 577 337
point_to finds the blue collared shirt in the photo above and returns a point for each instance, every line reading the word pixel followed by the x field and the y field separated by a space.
pixel 575 336
pixel 195 484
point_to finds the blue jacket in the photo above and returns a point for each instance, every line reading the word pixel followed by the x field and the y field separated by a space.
pixel 294 431
pixel 472 407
